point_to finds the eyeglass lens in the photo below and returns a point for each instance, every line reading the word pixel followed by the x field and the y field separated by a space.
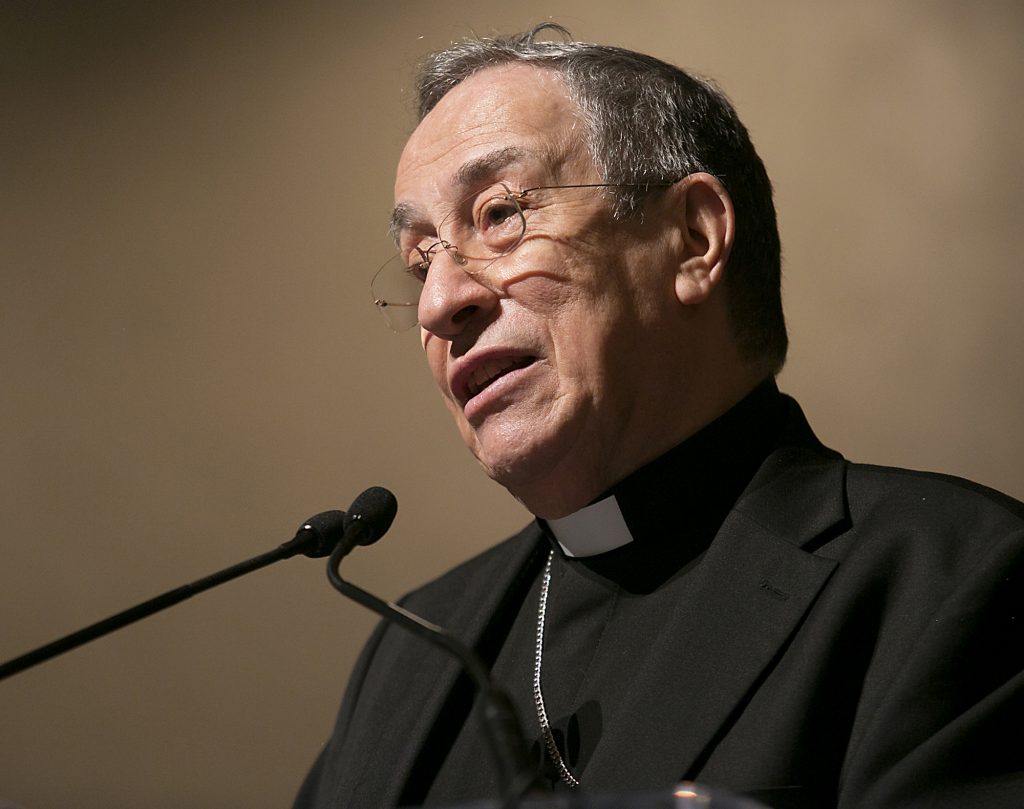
pixel 482 228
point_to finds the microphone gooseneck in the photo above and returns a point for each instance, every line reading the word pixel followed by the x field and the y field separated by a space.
pixel 367 521
pixel 316 537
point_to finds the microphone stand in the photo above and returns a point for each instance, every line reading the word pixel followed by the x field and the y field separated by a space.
pixel 498 719
pixel 312 539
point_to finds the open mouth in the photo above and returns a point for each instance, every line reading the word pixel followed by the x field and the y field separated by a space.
pixel 490 371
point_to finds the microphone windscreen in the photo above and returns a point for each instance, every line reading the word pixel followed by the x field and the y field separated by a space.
pixel 371 514
pixel 326 529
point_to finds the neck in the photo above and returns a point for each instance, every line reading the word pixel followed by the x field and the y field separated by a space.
pixel 657 520
pixel 580 477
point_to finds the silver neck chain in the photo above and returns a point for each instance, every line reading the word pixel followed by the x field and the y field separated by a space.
pixel 538 697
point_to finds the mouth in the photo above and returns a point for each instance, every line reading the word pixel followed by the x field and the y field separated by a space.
pixel 482 375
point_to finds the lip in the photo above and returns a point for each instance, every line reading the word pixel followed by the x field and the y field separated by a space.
pixel 462 373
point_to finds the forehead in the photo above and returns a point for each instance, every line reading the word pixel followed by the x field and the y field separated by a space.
pixel 501 118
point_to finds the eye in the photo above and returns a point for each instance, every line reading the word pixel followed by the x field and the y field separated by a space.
pixel 417 263
pixel 497 212
pixel 499 222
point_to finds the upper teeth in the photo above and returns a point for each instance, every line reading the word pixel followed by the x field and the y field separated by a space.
pixel 489 370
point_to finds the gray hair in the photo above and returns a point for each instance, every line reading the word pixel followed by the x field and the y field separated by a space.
pixel 649 121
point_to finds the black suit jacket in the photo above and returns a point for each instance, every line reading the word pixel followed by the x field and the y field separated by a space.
pixel 853 639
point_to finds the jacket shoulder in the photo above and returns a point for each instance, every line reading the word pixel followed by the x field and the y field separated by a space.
pixel 908 495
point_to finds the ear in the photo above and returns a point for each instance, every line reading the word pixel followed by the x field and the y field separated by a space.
pixel 707 226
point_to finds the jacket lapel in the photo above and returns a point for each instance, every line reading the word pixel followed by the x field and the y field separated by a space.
pixel 745 599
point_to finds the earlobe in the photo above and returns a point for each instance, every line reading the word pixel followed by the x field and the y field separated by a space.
pixel 707 225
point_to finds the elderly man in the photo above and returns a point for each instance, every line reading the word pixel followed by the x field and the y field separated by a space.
pixel 587 241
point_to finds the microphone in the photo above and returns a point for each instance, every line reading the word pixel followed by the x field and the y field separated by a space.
pixel 368 519
pixel 316 538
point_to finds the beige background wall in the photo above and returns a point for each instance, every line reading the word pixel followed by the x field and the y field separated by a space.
pixel 192 201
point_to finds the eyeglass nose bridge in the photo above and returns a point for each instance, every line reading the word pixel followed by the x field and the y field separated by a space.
pixel 451 250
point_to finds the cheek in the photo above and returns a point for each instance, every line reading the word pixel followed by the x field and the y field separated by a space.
pixel 553 282
pixel 436 351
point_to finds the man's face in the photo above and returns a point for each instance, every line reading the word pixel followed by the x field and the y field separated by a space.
pixel 551 359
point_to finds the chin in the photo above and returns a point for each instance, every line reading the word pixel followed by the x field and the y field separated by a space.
pixel 513 461
pixel 512 466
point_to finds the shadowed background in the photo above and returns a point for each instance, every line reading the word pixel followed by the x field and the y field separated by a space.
pixel 193 197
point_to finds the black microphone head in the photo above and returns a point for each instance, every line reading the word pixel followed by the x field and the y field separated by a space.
pixel 371 515
pixel 321 533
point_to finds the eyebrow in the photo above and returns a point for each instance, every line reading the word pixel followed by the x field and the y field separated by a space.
pixel 409 216
pixel 405 216
pixel 480 169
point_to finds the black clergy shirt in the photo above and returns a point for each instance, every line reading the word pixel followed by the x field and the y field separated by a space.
pixel 606 611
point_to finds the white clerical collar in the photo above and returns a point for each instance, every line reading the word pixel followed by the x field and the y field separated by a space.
pixel 598 528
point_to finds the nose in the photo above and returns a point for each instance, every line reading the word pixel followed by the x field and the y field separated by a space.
pixel 453 297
